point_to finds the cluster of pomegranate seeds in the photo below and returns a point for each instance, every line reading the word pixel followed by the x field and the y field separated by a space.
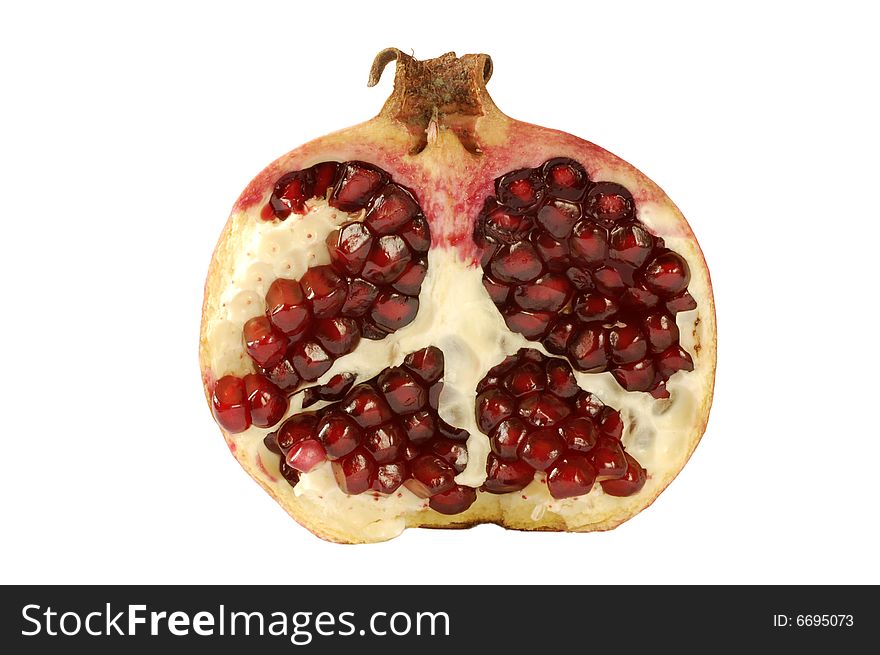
pixel 382 434
pixel 539 419
pixel 567 263
pixel 238 403
pixel 370 289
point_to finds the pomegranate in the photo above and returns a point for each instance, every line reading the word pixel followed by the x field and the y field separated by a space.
pixel 444 317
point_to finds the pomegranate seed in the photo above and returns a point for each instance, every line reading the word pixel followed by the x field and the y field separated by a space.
pixel 366 406
pixel 639 298
pixel 392 311
pixel 586 404
pixel 339 434
pixel 594 307
pixel 306 455
pixel 493 407
pixel 357 184
pixel 267 402
pixel 325 175
pixel 325 290
pixel 554 253
pixel 420 427
pixel 338 336
pixel 403 393
pixel 674 359
pixel 549 293
pixel 589 243
pixel 229 404
pixel 565 178
pixel 541 449
pixel 291 192
pixel 609 281
pixel 417 235
pixel 426 363
pixel 265 345
pixel 355 473
pixel 310 360
pixel 389 477
pixel 543 409
pixel 385 442
pixel 289 474
pixel 609 203
pixel 386 259
pixel 631 482
pixel 516 263
pixel 631 244
pixel 558 337
pixel 502 225
pixel 410 452
pixel 507 437
pixel 283 375
pixel 681 303
pixel 361 295
pixel 370 330
pixel 667 274
pixel 579 279
pixel 532 325
pixel 430 476
pixel 450 432
pixel 497 292
pixel 410 281
pixel 506 476
pixel 608 459
pixel 560 379
pixel 572 476
pixel 392 208
pixel 454 501
pixel 638 376
pixel 453 453
pixel 520 190
pixel 579 433
pixel 524 379
pixel 348 248
pixel 558 217
pixel 336 388
pixel 588 349
pixel 627 343
pixel 611 425
pixel 286 306
pixel 295 429
pixel 271 444
pixel 661 331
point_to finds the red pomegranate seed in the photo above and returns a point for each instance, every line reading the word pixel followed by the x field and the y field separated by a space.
pixel 609 203
pixel 417 235
pixel 541 449
pixel 572 476
pixel 348 247
pixel 391 210
pixel 507 476
pixel 517 263
pixel 356 186
pixel 558 337
pixel 453 453
pixel 554 253
pixel 626 343
pixel 608 459
pixel 674 359
pixel 632 481
pixel 450 432
pixel 339 434
pixel 631 244
pixel 355 473
pixel 454 501
pixel 366 406
pixel 579 279
pixel 430 476
pixel 420 427
pixel 507 437
pixel 426 363
pixel 594 307
pixel 286 306
pixel 265 345
pixel 667 274
pixel 271 444
pixel 283 375
pixel 520 190
pixel 609 281
pixel 370 330
pixel 325 175
pixel 306 455
pixel 389 477
pixel 229 404
pixel 558 217
pixel 524 379
pixel 588 349
pixel 661 331
pixel 586 404
pixel 267 402
pixel 580 433
pixel 403 393
pixel 361 295
pixel 386 259
pixel 493 407
pixel 639 298
pixel 289 474
pixel 392 311
pixel 310 360
pixel 638 376
pixel 532 325
pixel 335 389
pixel 385 442
pixel 548 293
pixel 681 303
pixel 291 192
pixel 565 178
pixel 338 336
pixel 543 409
pixel 325 290
pixel 497 292
pixel 503 225
pixel 410 281
pixel 560 379
pixel 589 243
pixel 295 429
pixel 611 425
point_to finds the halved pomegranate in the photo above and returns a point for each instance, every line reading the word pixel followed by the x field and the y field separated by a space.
pixel 412 322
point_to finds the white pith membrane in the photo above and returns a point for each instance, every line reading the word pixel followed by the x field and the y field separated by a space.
pixel 457 316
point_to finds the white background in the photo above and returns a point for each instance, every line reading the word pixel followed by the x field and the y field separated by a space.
pixel 127 133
